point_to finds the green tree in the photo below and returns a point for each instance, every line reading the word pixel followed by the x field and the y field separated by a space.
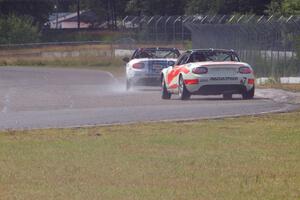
pixel 106 10
pixel 135 7
pixel 156 7
pixel 16 30
pixel 226 6
pixel 274 8
pixel 291 7
pixel 201 7
pixel 39 10
pixel 284 7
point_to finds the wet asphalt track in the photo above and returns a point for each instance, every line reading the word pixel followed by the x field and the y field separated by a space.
pixel 49 98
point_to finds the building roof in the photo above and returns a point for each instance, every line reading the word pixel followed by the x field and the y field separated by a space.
pixel 85 16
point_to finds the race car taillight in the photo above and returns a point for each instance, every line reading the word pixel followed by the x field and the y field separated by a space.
pixel 245 70
pixel 138 65
pixel 251 81
pixel 200 70
pixel 191 81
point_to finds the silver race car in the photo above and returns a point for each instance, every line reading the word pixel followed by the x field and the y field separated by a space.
pixel 146 64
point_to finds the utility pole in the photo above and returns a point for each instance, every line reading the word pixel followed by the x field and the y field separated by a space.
pixel 111 14
pixel 114 14
pixel 78 14
pixel 108 14
pixel 56 13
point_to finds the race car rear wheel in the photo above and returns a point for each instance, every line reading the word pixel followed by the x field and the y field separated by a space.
pixel 249 94
pixel 128 84
pixel 165 94
pixel 182 91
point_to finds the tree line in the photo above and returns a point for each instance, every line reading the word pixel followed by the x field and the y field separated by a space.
pixel 23 20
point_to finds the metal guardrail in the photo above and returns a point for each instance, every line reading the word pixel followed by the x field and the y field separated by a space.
pixel 75 43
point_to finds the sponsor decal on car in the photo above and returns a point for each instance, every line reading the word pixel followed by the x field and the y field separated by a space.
pixel 224 78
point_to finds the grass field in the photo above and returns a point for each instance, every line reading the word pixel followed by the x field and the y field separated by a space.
pixel 83 61
pixel 235 158
pixel 69 55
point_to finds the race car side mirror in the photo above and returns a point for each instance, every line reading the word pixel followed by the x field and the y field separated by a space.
pixel 126 59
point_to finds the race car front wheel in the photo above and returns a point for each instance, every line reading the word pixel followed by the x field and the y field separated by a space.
pixel 165 94
pixel 249 94
pixel 182 91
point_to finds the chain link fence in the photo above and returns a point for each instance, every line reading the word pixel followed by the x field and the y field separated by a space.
pixel 157 29
pixel 270 44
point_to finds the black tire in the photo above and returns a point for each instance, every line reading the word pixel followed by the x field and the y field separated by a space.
pixel 165 94
pixel 249 94
pixel 227 96
pixel 184 94
pixel 128 85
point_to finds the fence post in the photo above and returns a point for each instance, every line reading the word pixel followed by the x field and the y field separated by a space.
pixel 112 50
pixel 149 21
pixel 174 29
pixel 156 29
pixel 166 23
pixel 182 29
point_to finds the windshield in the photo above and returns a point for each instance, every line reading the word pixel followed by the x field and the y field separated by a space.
pixel 213 56
pixel 157 53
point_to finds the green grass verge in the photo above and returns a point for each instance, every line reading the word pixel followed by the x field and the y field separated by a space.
pixel 287 87
pixel 88 61
pixel 240 158
pixel 114 65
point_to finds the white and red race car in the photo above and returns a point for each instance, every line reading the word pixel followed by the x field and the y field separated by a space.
pixel 208 72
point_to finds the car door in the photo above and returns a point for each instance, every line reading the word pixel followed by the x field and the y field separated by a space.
pixel 173 74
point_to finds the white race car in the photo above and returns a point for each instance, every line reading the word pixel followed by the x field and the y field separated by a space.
pixel 208 72
pixel 145 65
